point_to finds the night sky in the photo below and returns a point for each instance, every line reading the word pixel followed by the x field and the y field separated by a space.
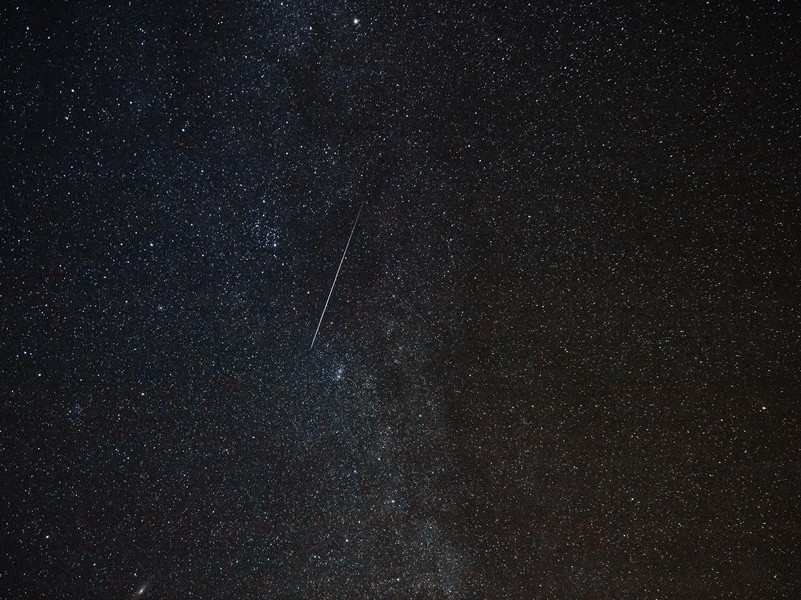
pixel 562 358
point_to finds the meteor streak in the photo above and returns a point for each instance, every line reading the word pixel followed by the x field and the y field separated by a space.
pixel 331 291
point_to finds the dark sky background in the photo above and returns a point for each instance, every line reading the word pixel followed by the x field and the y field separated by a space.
pixel 562 357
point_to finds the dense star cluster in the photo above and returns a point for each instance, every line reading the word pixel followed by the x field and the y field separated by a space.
pixel 562 358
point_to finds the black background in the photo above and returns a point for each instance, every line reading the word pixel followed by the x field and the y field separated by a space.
pixel 561 359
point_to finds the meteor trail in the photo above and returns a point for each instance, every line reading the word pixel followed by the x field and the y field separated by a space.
pixel 331 291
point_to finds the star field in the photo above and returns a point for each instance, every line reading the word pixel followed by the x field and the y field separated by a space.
pixel 560 360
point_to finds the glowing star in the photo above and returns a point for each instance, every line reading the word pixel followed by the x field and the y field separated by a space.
pixel 355 21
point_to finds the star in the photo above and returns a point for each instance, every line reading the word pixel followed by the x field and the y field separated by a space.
pixel 340 372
